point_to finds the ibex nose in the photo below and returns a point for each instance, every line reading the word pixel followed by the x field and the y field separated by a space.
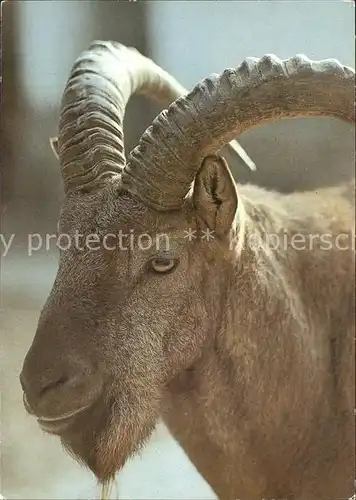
pixel 52 390
pixel 34 391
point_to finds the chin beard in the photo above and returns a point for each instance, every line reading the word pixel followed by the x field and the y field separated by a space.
pixel 111 432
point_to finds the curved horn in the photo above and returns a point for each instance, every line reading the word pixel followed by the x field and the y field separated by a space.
pixel 102 80
pixel 90 143
pixel 162 167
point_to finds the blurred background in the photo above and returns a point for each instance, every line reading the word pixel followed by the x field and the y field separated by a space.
pixel 41 40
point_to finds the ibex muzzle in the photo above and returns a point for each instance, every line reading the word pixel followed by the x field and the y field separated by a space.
pixel 62 381
pixel 244 351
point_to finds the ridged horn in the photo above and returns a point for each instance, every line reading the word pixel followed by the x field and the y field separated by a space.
pixel 102 80
pixel 162 167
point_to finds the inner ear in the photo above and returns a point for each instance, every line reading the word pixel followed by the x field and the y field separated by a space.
pixel 215 195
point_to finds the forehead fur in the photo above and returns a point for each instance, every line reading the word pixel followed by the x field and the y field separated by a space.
pixel 112 208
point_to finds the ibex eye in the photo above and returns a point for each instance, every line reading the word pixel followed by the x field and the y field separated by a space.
pixel 162 265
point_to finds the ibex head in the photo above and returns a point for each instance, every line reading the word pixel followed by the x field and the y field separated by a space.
pixel 126 312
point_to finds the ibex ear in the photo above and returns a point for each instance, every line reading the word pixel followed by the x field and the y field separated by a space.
pixel 215 195
pixel 54 145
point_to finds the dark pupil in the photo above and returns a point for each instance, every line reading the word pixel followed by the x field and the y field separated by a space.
pixel 162 262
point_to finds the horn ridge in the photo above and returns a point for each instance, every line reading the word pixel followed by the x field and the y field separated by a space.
pixel 258 91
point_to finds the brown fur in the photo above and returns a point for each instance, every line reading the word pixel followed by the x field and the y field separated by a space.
pixel 246 353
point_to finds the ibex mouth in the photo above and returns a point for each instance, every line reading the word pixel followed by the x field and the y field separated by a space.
pixel 43 420
pixel 65 416
pixel 56 425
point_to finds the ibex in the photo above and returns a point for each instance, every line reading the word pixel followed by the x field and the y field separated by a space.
pixel 245 350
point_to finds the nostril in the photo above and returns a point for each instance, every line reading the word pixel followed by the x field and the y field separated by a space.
pixel 36 387
pixel 47 382
pixel 53 385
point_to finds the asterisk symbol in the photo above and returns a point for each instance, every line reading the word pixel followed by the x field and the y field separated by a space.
pixel 207 234
pixel 190 234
